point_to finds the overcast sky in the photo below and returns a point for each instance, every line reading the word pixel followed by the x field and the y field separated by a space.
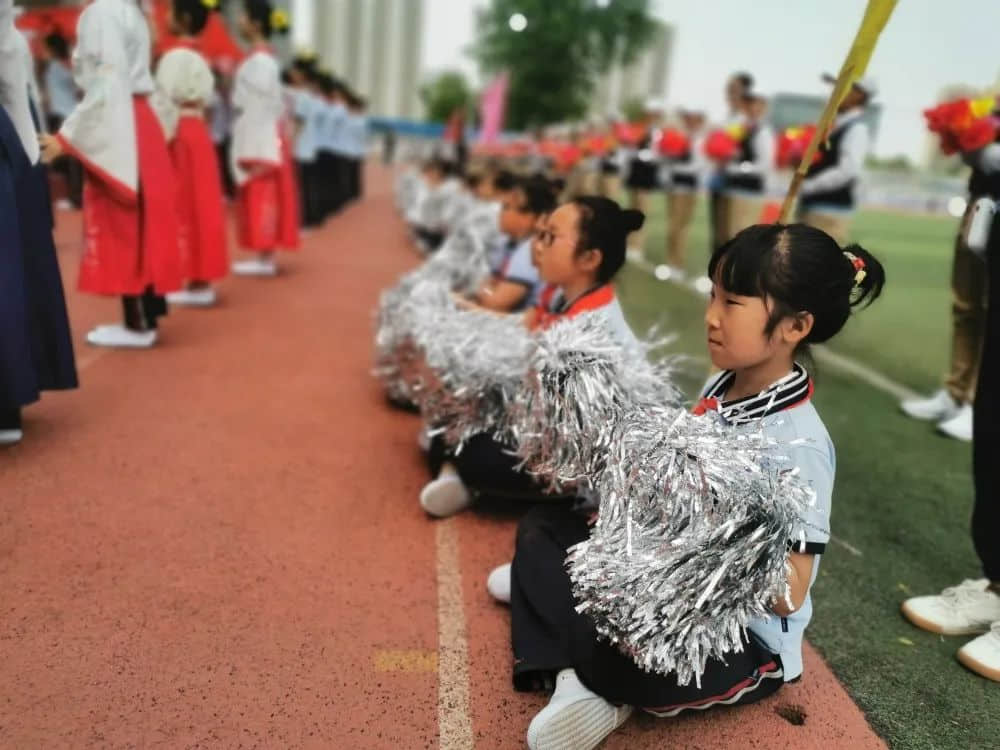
pixel 786 44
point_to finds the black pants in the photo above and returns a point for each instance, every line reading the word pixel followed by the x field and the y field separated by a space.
pixel 309 193
pixel 142 311
pixel 986 428
pixel 10 418
pixel 354 171
pixel 331 182
pixel 713 208
pixel 486 467
pixel 548 634
pixel 228 184
pixel 432 239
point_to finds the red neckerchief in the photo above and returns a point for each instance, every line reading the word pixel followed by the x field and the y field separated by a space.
pixel 594 299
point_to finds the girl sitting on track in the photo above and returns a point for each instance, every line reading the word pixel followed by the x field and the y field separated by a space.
pixel 581 250
pixel 776 289
pixel 515 285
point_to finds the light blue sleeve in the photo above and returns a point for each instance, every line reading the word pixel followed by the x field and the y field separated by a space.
pixel 817 470
pixel 520 269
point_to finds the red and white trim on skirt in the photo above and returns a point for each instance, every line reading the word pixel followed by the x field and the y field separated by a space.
pixel 770 671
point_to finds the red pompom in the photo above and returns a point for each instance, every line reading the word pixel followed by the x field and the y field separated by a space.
pixel 721 146
pixel 979 134
pixel 674 143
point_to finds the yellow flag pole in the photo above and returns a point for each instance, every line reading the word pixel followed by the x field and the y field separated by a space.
pixel 876 16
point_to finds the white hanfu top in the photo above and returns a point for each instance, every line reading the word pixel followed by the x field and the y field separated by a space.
pixel 259 106
pixel 184 86
pixel 15 81
pixel 110 65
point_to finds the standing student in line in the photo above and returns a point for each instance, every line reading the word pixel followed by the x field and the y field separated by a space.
pixel 60 96
pixel 184 87
pixel 307 104
pixel 776 290
pixel 828 197
pixel 687 173
pixel 36 351
pixel 737 87
pixel 951 408
pixel 330 152
pixel 261 155
pixel 355 145
pixel 131 248
pixel 746 177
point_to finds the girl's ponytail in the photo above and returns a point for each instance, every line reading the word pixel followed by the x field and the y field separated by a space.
pixel 867 274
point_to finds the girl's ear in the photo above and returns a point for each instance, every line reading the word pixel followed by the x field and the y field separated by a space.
pixel 590 260
pixel 795 328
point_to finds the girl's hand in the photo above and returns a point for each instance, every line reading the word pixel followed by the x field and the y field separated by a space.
pixel 51 148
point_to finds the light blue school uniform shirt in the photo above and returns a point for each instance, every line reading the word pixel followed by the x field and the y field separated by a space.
pixel 61 88
pixel 330 133
pixel 814 455
pixel 517 267
pixel 308 110
pixel 355 135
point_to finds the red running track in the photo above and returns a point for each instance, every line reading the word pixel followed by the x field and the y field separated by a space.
pixel 217 543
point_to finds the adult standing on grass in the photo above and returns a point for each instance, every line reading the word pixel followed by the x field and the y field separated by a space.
pixel 828 196
pixel 952 406
pixel 973 606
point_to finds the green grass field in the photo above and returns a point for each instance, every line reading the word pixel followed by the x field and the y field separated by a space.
pixel 903 495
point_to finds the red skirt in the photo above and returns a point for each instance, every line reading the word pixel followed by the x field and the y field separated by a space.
pixel 131 245
pixel 201 216
pixel 268 208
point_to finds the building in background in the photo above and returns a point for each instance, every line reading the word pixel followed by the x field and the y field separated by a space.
pixel 374 45
pixel 646 78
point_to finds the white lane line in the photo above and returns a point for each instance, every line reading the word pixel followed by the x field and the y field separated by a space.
pixel 454 716
pixel 825 355
pixel 84 361
pixel 849 547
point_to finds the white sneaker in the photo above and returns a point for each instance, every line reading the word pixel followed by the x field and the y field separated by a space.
pixel 966 609
pixel 118 336
pixel 982 654
pixel 959 426
pixel 498 583
pixel 11 437
pixel 575 719
pixel 256 267
pixel 204 297
pixel 445 496
pixel 938 407
pixel 678 274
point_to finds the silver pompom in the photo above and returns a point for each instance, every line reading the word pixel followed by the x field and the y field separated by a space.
pixel 691 539
pixel 579 379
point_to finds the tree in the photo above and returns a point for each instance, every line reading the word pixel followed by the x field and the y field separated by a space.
pixel 444 94
pixel 555 61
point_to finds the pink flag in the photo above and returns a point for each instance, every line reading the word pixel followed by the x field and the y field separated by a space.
pixel 491 109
